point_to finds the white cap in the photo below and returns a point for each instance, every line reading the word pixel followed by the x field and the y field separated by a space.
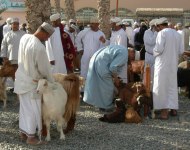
pixel 8 21
pixel 179 24
pixel 72 20
pixel 153 22
pixel 94 20
pixel 55 17
pixel 125 22
pixel 116 20
pixel 161 21
pixel 136 24
pixel 48 28
pixel 15 19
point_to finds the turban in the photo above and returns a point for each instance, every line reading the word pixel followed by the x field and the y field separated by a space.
pixel 55 17
pixel 161 21
pixel 116 20
pixel 48 28
pixel 152 22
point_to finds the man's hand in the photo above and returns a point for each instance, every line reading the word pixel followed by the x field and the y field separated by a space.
pixel 116 79
pixel 102 39
pixel 52 62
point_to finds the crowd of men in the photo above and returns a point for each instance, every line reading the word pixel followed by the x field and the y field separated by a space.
pixel 61 48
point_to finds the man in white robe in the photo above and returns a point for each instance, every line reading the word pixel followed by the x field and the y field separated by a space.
pixel 186 31
pixel 54 47
pixel 10 43
pixel 33 65
pixel 119 37
pixel 167 50
pixel 71 30
pixel 149 43
pixel 88 41
pixel 7 27
pixel 10 46
pixel 179 27
pixel 129 31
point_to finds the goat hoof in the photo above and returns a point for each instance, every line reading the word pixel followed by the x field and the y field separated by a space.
pixel 48 139
pixel 62 138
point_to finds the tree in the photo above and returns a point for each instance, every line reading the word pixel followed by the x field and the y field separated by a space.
pixel 2 10
pixel 69 9
pixel 104 16
pixel 36 13
pixel 57 6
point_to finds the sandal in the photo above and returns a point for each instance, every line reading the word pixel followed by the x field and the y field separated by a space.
pixel 36 142
pixel 173 112
pixel 23 137
pixel 162 118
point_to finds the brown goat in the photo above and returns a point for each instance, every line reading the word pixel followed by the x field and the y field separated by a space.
pixel 135 68
pixel 130 92
pixel 3 94
pixel 8 69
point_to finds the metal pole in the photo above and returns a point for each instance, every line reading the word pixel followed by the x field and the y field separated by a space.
pixel 117 3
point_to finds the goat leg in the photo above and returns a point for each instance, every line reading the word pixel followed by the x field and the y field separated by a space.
pixel 44 129
pixel 70 124
pixel 146 110
pixel 47 122
pixel 4 104
pixel 60 128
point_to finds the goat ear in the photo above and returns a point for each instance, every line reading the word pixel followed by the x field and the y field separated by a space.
pixel 46 83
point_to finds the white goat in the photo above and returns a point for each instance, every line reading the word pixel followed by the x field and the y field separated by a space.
pixel 53 106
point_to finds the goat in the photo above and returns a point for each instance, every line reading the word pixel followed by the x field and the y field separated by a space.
pixel 71 83
pixel 131 116
pixel 3 94
pixel 53 106
pixel 118 115
pixel 183 79
pixel 8 69
pixel 134 69
pixel 130 92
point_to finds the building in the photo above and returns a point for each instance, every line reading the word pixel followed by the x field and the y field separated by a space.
pixel 87 8
pixel 174 15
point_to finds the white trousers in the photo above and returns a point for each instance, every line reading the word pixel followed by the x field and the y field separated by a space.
pixel 30 114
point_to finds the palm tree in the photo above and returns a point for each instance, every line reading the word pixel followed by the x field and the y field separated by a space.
pixel 57 6
pixel 36 13
pixel 104 16
pixel 1 11
pixel 69 9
